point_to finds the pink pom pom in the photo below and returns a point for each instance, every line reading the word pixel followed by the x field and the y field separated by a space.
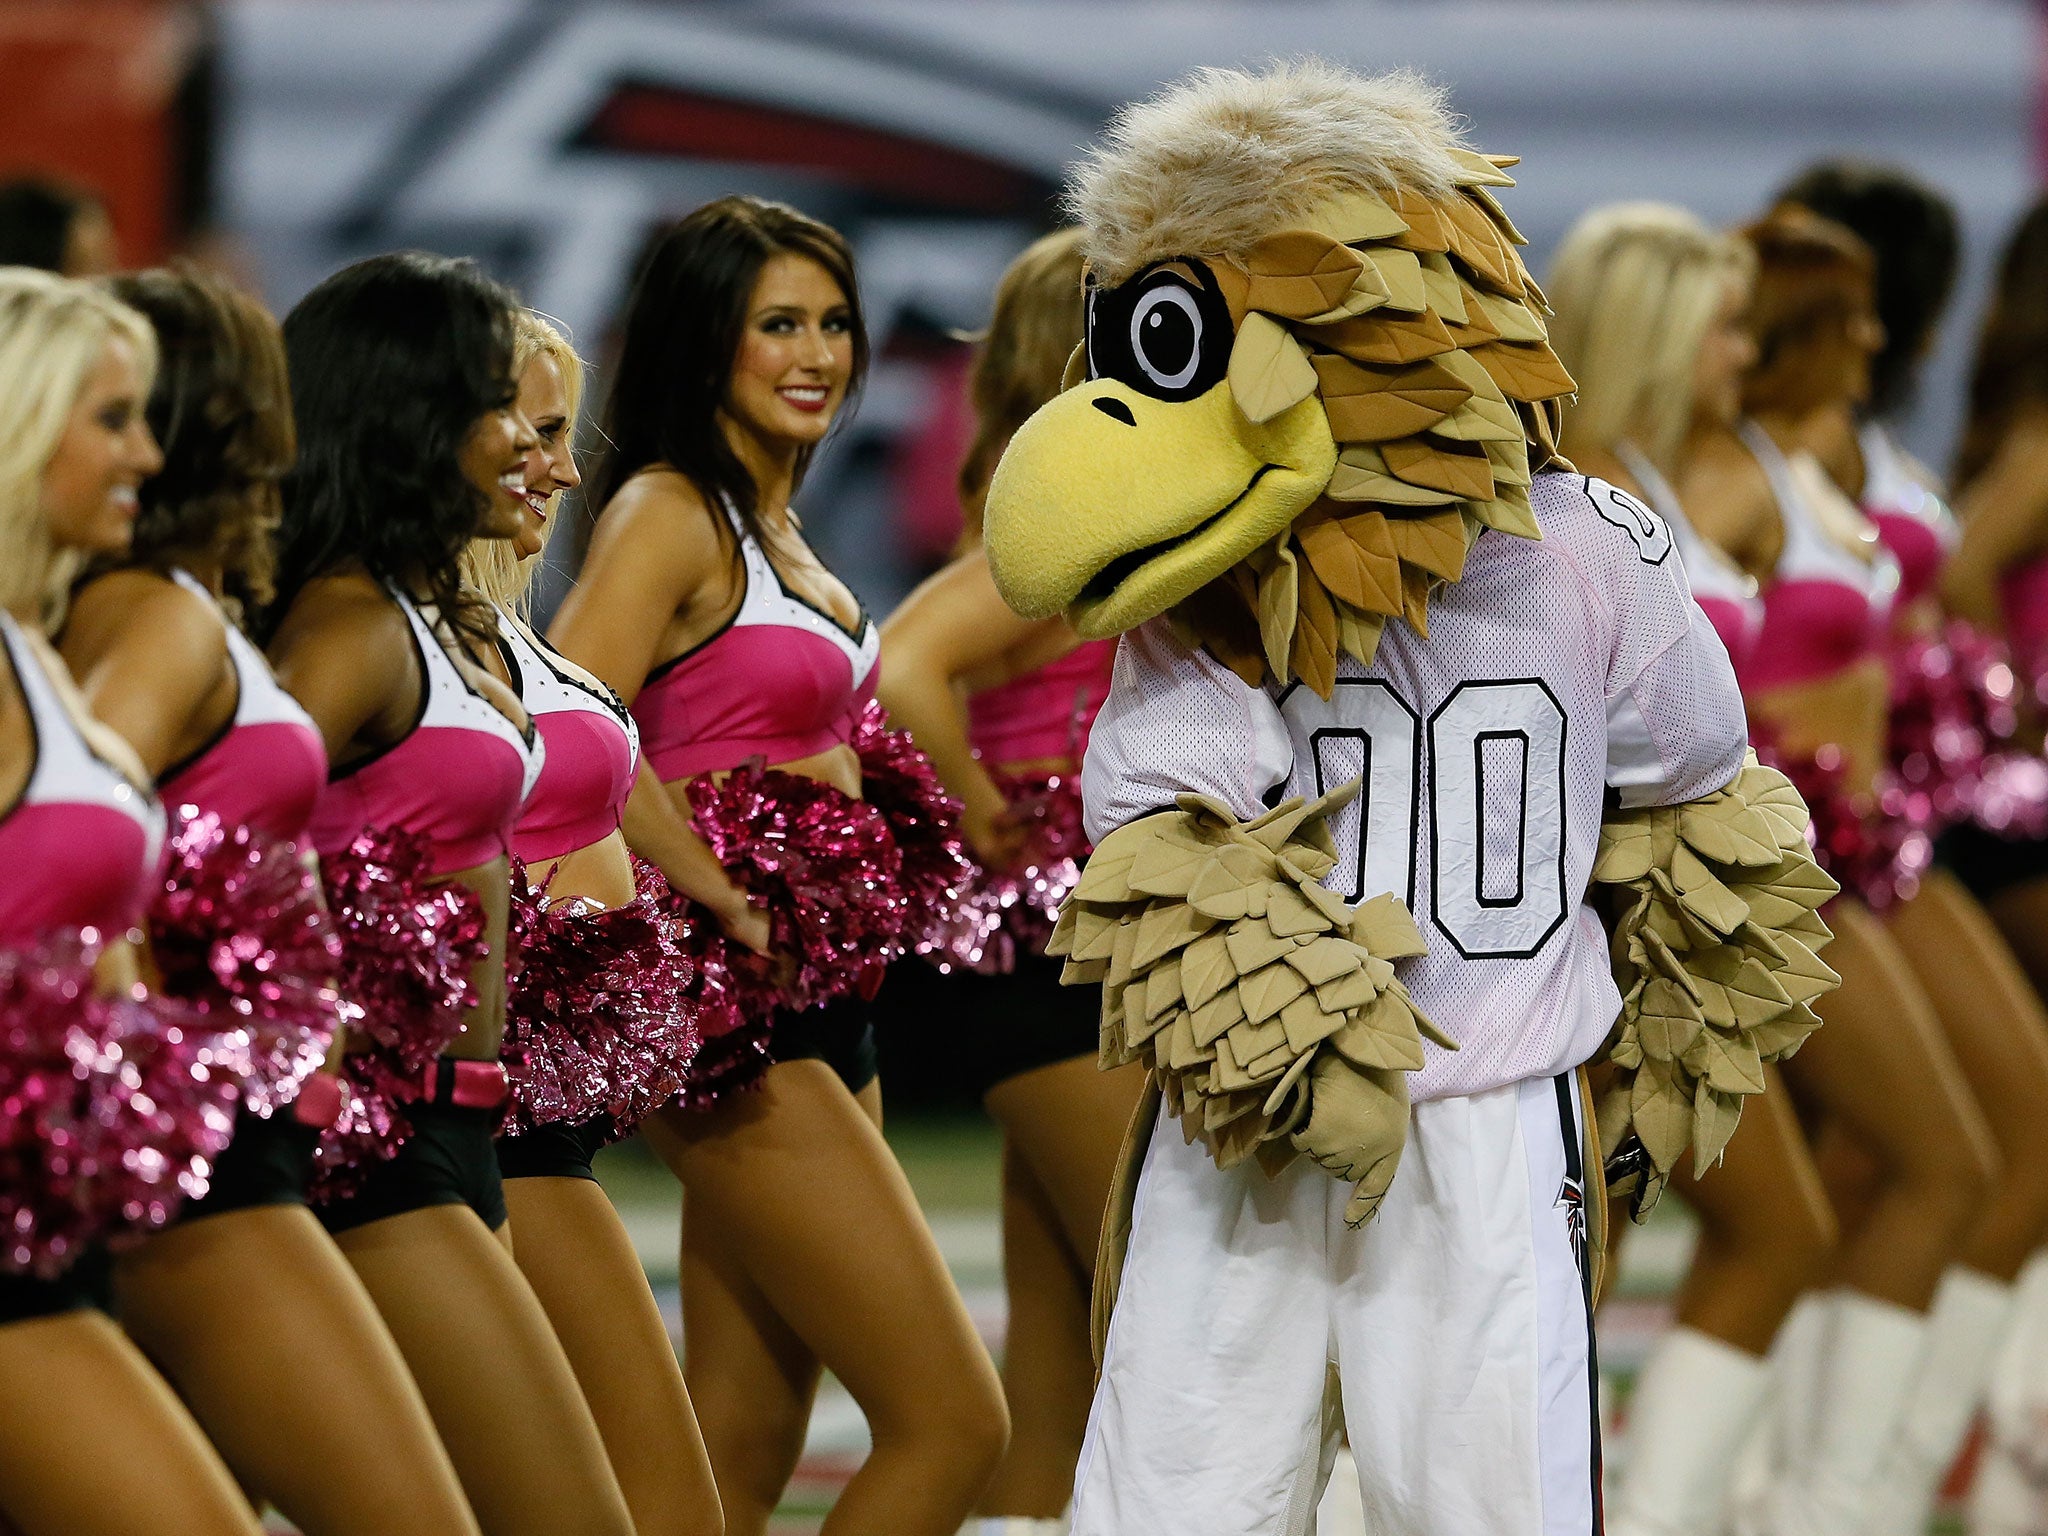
pixel 734 996
pixel 599 1021
pixel 1877 851
pixel 238 930
pixel 1002 914
pixel 822 863
pixel 897 780
pixel 1954 710
pixel 409 947
pixel 112 1110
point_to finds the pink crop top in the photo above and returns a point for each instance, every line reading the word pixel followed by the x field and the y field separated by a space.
pixel 1043 714
pixel 1826 608
pixel 456 779
pixel 1726 593
pixel 1914 523
pixel 780 681
pixel 268 766
pixel 593 749
pixel 83 844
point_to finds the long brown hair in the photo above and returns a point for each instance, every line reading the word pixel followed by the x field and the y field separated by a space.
pixel 1814 280
pixel 683 328
pixel 221 410
pixel 1036 325
pixel 2011 369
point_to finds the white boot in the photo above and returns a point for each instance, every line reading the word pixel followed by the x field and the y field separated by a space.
pixel 1784 1429
pixel 2010 1497
pixel 1694 1403
pixel 1867 1375
pixel 1013 1525
pixel 1971 1316
pixel 1342 1510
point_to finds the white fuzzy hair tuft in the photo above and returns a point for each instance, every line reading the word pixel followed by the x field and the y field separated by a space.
pixel 1226 157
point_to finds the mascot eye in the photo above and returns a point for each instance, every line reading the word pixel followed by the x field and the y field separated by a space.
pixel 1162 334
pixel 1166 336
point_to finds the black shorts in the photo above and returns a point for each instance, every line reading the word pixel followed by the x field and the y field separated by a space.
pixel 268 1163
pixel 1025 1020
pixel 1987 863
pixel 449 1159
pixel 562 1150
pixel 87 1283
pixel 841 1034
pixel 965 1032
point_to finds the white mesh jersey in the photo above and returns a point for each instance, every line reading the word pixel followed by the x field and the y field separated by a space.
pixel 1554 671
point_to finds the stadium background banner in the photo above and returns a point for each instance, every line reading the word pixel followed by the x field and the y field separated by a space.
pixel 549 137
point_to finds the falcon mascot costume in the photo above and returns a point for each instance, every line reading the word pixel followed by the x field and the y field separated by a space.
pixel 1422 783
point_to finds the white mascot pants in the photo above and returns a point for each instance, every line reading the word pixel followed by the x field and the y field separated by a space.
pixel 1456 1326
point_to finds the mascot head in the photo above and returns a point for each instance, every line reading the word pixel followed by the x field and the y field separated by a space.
pixel 1315 369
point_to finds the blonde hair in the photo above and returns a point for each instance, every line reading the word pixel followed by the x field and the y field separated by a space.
pixel 1633 291
pixel 1036 325
pixel 489 565
pixel 53 333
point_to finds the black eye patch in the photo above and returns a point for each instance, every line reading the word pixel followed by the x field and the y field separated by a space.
pixel 1160 333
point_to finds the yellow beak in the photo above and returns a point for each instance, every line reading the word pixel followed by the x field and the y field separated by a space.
pixel 1112 506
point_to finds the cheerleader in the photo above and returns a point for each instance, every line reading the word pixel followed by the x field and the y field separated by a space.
pixel 599 1031
pixel 1882 1077
pixel 702 606
pixel 1003 706
pixel 1999 580
pixel 411 445
pixel 1648 318
pixel 93 1442
pixel 246 1304
pixel 1952 717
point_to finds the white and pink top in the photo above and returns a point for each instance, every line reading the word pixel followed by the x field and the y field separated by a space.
pixel 268 766
pixel 593 748
pixel 84 843
pixel 781 681
pixel 456 779
pixel 1826 607
pixel 1914 523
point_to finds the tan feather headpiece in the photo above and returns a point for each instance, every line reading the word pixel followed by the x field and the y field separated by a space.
pixel 1389 378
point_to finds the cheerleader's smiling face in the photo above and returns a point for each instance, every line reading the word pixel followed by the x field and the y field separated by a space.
pixel 494 461
pixel 88 495
pixel 795 356
pixel 550 464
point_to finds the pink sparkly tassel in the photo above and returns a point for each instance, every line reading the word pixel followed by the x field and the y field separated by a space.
pixel 734 996
pixel 599 1021
pixel 1002 914
pixel 822 863
pixel 112 1110
pixel 896 778
pixel 1955 703
pixel 409 946
pixel 1876 852
pixel 239 931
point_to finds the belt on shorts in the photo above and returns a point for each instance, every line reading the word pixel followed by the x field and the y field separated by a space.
pixel 464 1084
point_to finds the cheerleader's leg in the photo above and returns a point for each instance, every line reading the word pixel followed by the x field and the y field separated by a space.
pixel 574 1252
pixel 500 1390
pixel 93 1442
pixel 273 1343
pixel 803 1245
pixel 1766 1234
pixel 1063 1127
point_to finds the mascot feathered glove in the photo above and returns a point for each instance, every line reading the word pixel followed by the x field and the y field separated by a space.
pixel 1315 372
